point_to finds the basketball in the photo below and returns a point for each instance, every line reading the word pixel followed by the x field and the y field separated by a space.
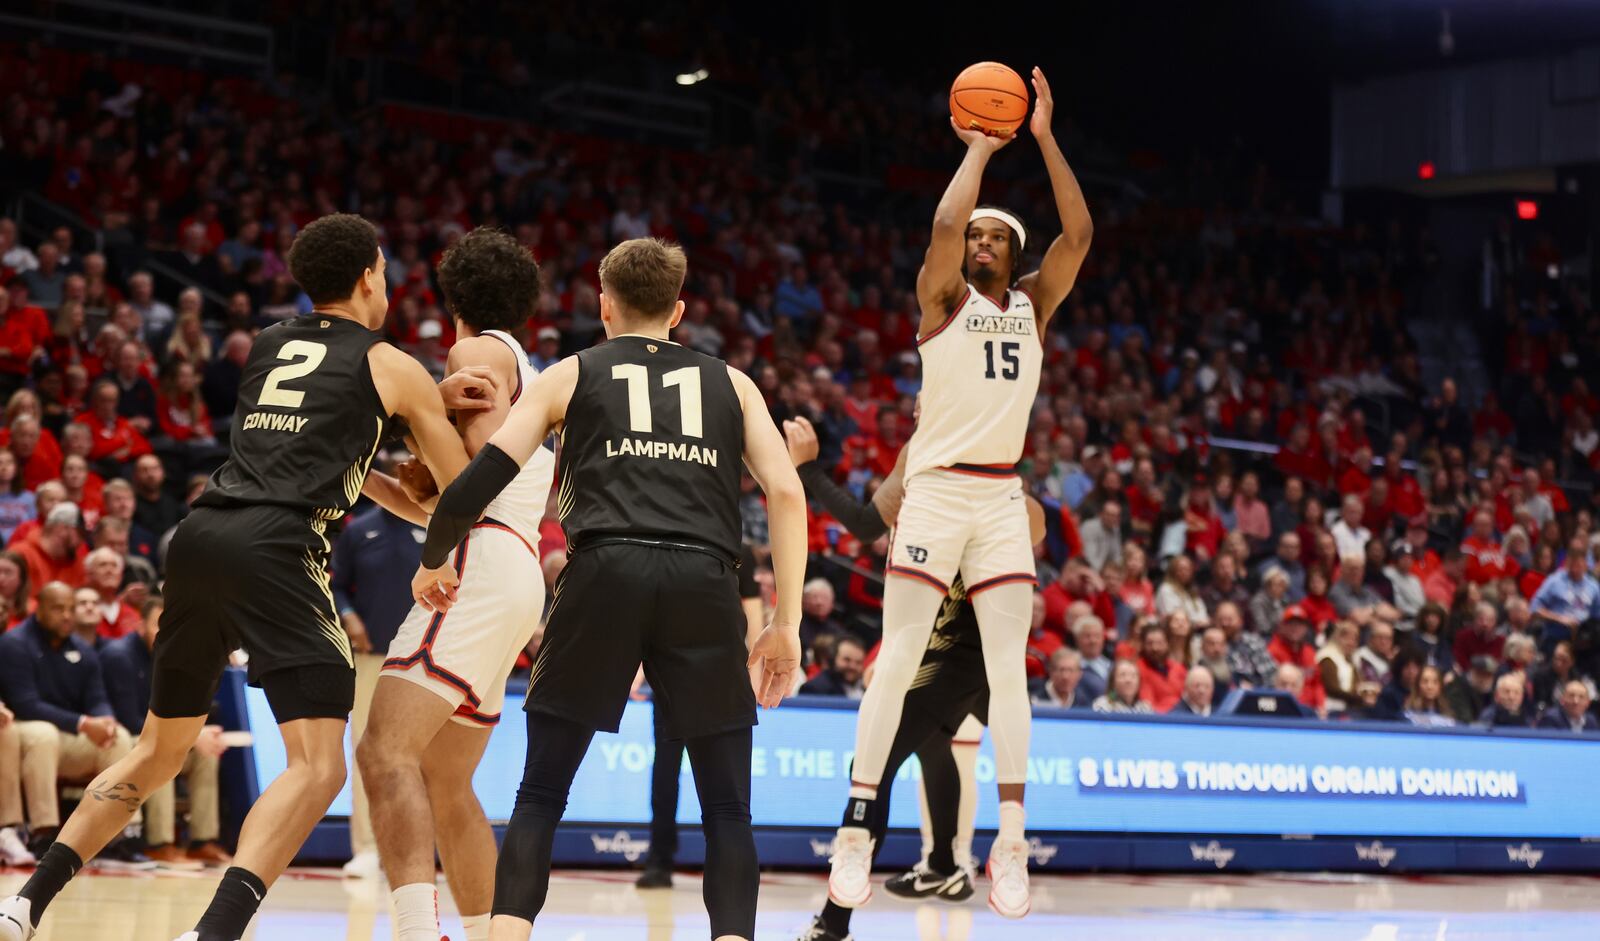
pixel 989 97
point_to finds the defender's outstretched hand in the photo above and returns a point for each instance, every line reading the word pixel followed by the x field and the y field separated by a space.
pixel 1044 106
pixel 774 660
pixel 435 589
pixel 973 137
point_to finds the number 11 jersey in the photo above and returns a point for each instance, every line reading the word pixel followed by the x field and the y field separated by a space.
pixel 652 447
pixel 980 375
pixel 308 422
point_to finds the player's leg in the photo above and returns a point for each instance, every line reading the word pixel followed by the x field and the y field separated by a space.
pixel 932 531
pixel 694 656
pixel 363 862
pixel 664 773
pixel 556 747
pixel 964 749
pixel 579 684
pixel 466 841
pixel 405 718
pixel 1003 614
pixel 833 922
pixel 721 764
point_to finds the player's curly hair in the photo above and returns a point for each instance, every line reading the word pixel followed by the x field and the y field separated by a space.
pixel 490 280
pixel 1016 243
pixel 329 256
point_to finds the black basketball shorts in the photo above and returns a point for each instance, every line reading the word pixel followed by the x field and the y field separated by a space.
pixel 676 610
pixel 254 577
pixel 950 685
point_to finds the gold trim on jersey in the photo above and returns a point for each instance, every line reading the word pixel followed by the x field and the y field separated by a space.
pixel 565 494
pixel 329 625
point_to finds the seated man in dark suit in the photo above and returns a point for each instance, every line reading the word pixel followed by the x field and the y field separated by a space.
pixel 1571 713
pixel 1506 710
pixel 844 677
pixel 126 662
pixel 49 676
pixel 1198 687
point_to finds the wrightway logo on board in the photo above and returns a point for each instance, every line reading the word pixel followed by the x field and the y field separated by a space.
pixel 1376 852
pixel 621 844
pixel 1524 854
pixel 821 848
pixel 1212 852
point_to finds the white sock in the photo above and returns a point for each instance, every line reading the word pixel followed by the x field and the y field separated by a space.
pixel 1012 821
pixel 476 926
pixel 416 912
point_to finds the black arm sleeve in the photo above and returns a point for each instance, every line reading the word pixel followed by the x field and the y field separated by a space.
pixel 862 519
pixel 465 500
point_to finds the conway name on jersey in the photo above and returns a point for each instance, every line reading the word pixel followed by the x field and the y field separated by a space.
pixel 300 438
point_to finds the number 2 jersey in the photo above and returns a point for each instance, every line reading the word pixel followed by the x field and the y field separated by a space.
pixel 652 447
pixel 980 375
pixel 308 422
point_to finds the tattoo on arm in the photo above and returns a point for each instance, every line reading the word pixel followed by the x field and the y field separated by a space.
pixel 126 793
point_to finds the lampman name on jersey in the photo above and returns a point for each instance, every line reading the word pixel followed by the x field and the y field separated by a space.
pixel 274 421
pixel 672 451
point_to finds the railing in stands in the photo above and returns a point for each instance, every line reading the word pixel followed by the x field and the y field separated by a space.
pixel 122 25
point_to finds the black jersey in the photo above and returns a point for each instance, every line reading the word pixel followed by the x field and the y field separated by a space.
pixel 308 422
pixel 652 446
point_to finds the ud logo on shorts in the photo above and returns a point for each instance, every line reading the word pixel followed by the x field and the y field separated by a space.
pixel 918 554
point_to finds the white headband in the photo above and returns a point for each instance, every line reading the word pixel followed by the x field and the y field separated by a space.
pixel 1000 215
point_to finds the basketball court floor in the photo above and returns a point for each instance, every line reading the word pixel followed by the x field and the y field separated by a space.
pixel 316 905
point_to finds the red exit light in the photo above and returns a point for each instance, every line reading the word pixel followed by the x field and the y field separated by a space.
pixel 1425 170
pixel 1527 209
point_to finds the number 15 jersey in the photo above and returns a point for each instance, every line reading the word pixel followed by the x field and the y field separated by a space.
pixel 308 422
pixel 980 375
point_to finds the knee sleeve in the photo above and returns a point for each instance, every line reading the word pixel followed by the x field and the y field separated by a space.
pixel 522 876
pixel 909 608
pixel 1003 616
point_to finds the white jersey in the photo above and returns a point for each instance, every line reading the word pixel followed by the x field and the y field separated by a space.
pixel 521 504
pixel 980 375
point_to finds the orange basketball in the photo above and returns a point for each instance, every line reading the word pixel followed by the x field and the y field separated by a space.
pixel 989 97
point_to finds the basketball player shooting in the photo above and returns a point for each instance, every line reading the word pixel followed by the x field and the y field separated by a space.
pixel 981 342
pixel 249 567
pixel 651 434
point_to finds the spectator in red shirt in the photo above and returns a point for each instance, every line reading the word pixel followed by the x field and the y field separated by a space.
pixel 1077 582
pixel 1315 606
pixel 54 552
pixel 83 488
pixel 38 454
pixel 1486 561
pixel 1405 494
pixel 1357 478
pixel 118 609
pixel 1480 638
pixel 179 408
pixel 1290 645
pixel 116 442
pixel 1161 677
pixel 1205 531
pixel 24 333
